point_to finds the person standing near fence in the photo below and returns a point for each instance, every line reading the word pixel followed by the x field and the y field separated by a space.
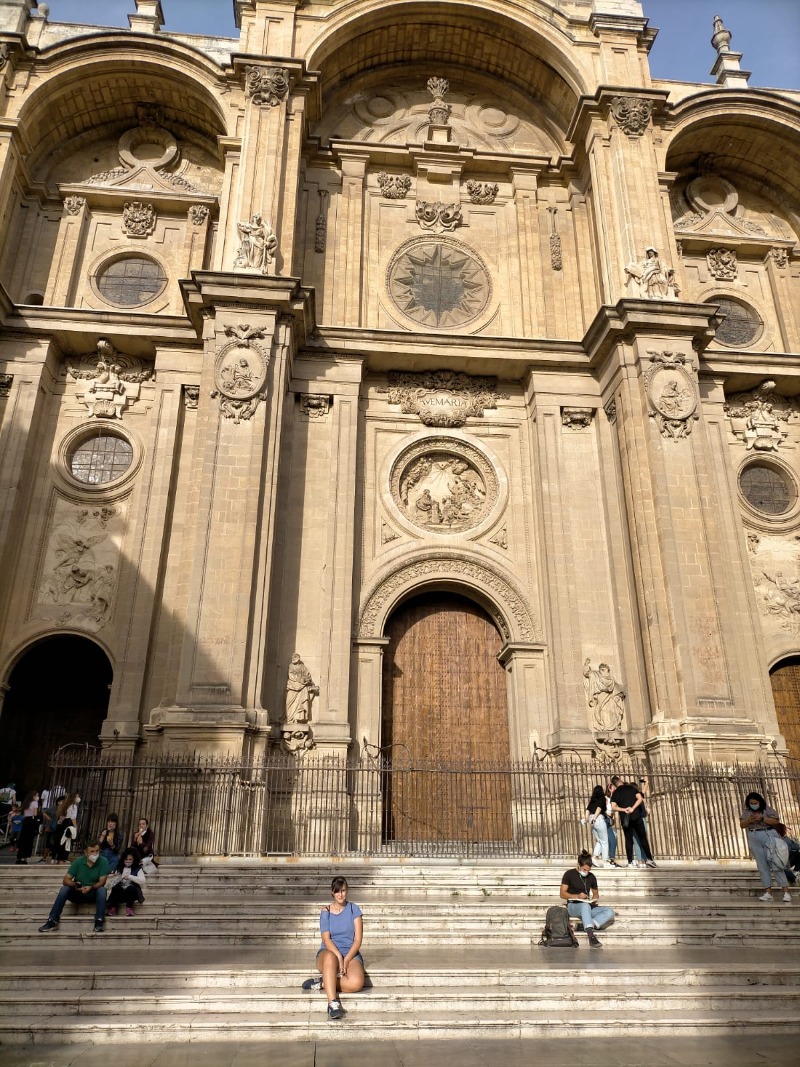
pixel 67 829
pixel 596 809
pixel 628 800
pixel 760 821
pixel 30 823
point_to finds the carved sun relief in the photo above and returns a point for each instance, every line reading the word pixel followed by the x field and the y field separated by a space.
pixel 438 283
pixel 443 486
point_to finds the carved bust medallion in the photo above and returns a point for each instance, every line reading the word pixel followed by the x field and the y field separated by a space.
pixel 439 283
pixel 443 485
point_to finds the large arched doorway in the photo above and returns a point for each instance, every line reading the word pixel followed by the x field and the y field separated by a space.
pixel 445 706
pixel 57 695
pixel 785 678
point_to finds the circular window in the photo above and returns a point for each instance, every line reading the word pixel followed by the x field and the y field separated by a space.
pixel 440 284
pixel 766 489
pixel 131 281
pixel 742 324
pixel 100 458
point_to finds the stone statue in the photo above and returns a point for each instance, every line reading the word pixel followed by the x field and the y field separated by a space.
pixel 605 698
pixel 300 691
pixel 650 280
pixel 257 250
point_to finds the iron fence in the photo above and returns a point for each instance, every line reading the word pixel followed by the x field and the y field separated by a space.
pixel 326 806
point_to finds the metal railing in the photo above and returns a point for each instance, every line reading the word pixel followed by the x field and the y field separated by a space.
pixel 325 806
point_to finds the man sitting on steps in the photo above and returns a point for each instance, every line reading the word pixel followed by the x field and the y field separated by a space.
pixel 84 883
pixel 579 889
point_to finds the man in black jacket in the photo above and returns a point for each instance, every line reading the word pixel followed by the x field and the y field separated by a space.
pixel 628 800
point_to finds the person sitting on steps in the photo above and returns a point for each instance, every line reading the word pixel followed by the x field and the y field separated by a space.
pixel 84 883
pixel 579 889
pixel 127 888
pixel 339 960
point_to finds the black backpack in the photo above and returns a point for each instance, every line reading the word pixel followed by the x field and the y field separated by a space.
pixel 558 932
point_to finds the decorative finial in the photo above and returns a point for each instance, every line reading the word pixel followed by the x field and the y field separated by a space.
pixel 439 111
pixel 722 38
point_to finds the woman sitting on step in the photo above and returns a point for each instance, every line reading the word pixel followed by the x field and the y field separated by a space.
pixel 760 821
pixel 339 960
pixel 127 887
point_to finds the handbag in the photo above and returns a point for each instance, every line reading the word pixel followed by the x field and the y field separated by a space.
pixel 777 852
pixel 113 879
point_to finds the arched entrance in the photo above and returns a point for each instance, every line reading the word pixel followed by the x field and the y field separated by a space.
pixel 444 703
pixel 57 695
pixel 785 678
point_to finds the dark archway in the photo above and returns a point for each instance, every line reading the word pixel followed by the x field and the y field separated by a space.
pixel 785 678
pixel 57 695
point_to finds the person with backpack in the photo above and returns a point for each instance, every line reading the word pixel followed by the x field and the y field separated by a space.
pixel 580 891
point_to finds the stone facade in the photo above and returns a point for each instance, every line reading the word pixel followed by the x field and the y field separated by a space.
pixel 377 299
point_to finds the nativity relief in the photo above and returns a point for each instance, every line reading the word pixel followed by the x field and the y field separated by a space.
pixel 442 490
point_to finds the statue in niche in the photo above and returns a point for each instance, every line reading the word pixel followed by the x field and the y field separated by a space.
pixel 605 697
pixel 259 243
pixel 300 692
pixel 650 280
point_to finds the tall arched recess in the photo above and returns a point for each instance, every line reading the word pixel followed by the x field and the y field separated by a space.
pixel 785 679
pixel 57 694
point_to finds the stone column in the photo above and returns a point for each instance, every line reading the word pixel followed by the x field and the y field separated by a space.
pixel 349 236
pixel 71 233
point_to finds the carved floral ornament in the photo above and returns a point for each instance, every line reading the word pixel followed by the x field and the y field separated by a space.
pixel 631 114
pixel 109 381
pixel 394 186
pixel 482 192
pixel 442 398
pixel 672 392
pixel 760 418
pixel 315 405
pixel 266 86
pixel 722 263
pixel 240 373
pixel 438 217
pixel 138 218
pixel 506 605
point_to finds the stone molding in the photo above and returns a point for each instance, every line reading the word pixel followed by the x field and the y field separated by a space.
pixel 266 86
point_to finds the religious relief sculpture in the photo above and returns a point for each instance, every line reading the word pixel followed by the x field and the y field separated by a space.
pixel 672 392
pixel 73 205
pixel 300 693
pixel 482 192
pixel 266 86
pixel 259 244
pixel 394 186
pixel 444 486
pixel 722 263
pixel 138 219
pixel 631 114
pixel 113 380
pixel 779 598
pixel 650 280
pixel 442 398
pixel 439 111
pixel 438 217
pixel 760 418
pixel 605 698
pixel 240 373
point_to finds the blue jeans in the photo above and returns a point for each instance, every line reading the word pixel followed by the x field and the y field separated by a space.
pixel 757 840
pixel 612 842
pixel 600 834
pixel 94 896
pixel 589 916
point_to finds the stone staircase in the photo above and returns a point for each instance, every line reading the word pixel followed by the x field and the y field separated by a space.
pixel 223 946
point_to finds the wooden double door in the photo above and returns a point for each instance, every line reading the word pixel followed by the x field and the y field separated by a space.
pixel 445 723
pixel 785 680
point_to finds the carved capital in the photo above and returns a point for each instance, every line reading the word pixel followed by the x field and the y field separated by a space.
pixel 266 86
pixel 198 214
pixel 631 114
pixel 611 410
pixel 780 257
pixel 191 397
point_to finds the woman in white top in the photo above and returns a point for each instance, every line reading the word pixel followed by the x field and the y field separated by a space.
pixel 67 817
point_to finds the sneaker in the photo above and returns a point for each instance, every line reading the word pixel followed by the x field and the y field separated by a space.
pixel 766 896
pixel 111 911
pixel 633 863
pixel 98 928
pixel 129 911
pixel 650 863
pixel 335 1010
pixel 312 985
pixel 787 898
pixel 594 941
pixel 49 925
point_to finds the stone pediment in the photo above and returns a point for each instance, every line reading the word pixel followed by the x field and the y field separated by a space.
pixel 141 179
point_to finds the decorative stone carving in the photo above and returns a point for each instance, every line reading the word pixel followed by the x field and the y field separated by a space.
pixel 73 205
pixel 240 373
pixel 394 186
pixel 439 283
pixel 258 247
pixel 722 263
pixel 6 381
pixel 314 406
pixel 775 566
pixel 452 567
pixel 760 418
pixel 500 538
pixel 266 86
pixel 138 219
pixel 650 280
pixel 780 257
pixel 439 111
pixel 611 410
pixel 5 51
pixel 79 573
pixel 388 534
pixel 722 37
pixel 443 485
pixel 113 380
pixel 198 214
pixel 753 541
pixel 605 698
pixel 672 392
pixel 442 398
pixel 438 217
pixel 191 397
pixel 482 192
pixel 577 418
pixel 300 693
pixel 321 224
pixel 107 177
pixel 556 260
pixel 779 599
pixel 631 114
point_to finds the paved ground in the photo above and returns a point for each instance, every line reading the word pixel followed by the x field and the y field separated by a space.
pixel 735 1051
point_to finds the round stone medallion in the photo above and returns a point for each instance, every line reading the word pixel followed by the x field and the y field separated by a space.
pixel 443 485
pixel 439 283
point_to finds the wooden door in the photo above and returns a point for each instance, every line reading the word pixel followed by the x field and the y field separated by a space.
pixel 444 705
pixel 786 691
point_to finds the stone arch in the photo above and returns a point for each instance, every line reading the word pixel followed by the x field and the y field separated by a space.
pixel 459 572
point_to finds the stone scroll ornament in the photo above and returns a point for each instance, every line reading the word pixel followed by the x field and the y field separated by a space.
pixel 240 373
pixel 672 392
pixel 300 693
pixel 266 86
pixel 109 381
pixel 631 114
pixel 442 398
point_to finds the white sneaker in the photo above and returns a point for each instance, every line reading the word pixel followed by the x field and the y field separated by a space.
pixel 787 898
pixel 766 896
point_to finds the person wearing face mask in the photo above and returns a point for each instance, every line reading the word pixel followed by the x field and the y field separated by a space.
pixel 127 888
pixel 760 821
pixel 84 883
pixel 30 821
pixel 579 889
pixel 67 829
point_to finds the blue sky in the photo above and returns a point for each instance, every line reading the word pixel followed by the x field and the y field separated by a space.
pixel 766 31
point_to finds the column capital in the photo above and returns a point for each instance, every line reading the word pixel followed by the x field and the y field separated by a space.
pixel 628 320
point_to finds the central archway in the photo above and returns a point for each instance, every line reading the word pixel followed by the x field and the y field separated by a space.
pixel 445 718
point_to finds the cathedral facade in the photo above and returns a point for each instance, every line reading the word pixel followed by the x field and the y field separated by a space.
pixel 408 377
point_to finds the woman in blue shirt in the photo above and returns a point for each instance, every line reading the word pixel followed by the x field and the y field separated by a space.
pixel 339 960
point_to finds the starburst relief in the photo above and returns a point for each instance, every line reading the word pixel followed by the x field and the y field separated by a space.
pixel 439 285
